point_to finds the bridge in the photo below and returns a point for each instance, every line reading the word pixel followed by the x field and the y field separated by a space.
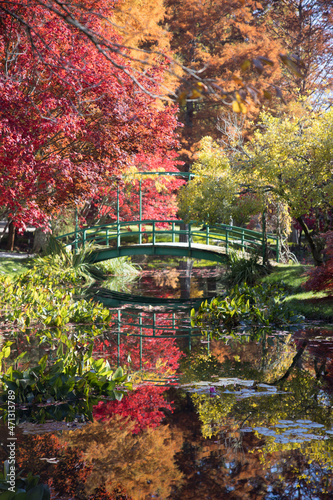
pixel 170 237
pixel 141 327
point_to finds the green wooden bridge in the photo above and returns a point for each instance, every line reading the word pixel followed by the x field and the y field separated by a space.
pixel 170 237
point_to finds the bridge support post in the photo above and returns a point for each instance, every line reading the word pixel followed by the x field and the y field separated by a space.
pixel 107 237
pixel 226 241
pixel 173 233
pixel 118 225
pixel 207 235
pixel 154 237
pixel 140 323
pixel 76 245
pixel 118 337
pixel 118 235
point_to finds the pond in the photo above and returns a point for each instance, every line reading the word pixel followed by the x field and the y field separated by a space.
pixel 211 419
pixel 178 278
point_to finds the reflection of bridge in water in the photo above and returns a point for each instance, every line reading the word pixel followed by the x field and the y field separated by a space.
pixel 142 331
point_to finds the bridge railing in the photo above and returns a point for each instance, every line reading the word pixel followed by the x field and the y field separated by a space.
pixel 140 328
pixel 154 232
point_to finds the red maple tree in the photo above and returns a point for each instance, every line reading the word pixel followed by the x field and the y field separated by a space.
pixel 68 119
pixel 144 406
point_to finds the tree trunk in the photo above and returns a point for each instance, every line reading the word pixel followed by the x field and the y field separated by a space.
pixel 183 237
pixel 185 267
pixel 11 237
pixel 40 240
pixel 316 247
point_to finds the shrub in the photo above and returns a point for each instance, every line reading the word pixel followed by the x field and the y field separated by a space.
pixel 321 277
pixel 243 270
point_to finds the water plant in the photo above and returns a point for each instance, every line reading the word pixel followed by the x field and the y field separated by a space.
pixel 67 388
pixel 245 308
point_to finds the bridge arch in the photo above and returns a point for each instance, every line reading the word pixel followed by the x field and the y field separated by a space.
pixel 166 237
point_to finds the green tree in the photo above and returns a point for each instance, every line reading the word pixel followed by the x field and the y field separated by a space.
pixel 291 157
pixel 288 161
pixel 213 195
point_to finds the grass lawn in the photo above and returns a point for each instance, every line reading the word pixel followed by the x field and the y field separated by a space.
pixel 312 305
pixel 12 266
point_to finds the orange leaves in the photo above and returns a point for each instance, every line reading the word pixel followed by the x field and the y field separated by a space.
pixel 237 80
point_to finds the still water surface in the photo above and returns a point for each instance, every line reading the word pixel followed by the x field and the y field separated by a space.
pixel 221 419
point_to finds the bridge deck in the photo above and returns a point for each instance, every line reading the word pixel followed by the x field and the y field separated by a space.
pixel 139 237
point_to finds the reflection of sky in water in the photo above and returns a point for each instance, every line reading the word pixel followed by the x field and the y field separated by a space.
pixel 284 431
pixel 288 431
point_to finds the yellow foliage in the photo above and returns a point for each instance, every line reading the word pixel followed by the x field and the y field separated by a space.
pixel 212 411
pixel 291 156
pixel 143 464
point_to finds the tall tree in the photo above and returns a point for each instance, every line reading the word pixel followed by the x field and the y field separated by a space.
pixel 291 158
pixel 305 28
pixel 227 40
pixel 231 41
pixel 65 130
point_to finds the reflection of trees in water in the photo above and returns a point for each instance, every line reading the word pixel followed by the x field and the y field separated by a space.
pixel 143 344
pixel 233 468
pixel 232 464
pixel 289 456
pixel 184 281
pixel 106 457
pixel 236 465
pixel 263 362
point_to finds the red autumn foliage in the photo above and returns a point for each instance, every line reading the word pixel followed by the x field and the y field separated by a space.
pixel 321 277
pixel 160 355
pixel 158 192
pixel 144 406
pixel 68 119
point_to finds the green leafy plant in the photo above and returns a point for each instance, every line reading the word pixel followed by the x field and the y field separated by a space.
pixel 67 382
pixel 28 488
pixel 245 308
pixel 243 270
pixel 65 389
pixel 63 262
pixel 37 300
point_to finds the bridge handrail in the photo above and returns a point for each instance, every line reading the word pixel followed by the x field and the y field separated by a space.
pixel 218 233
pixel 114 225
